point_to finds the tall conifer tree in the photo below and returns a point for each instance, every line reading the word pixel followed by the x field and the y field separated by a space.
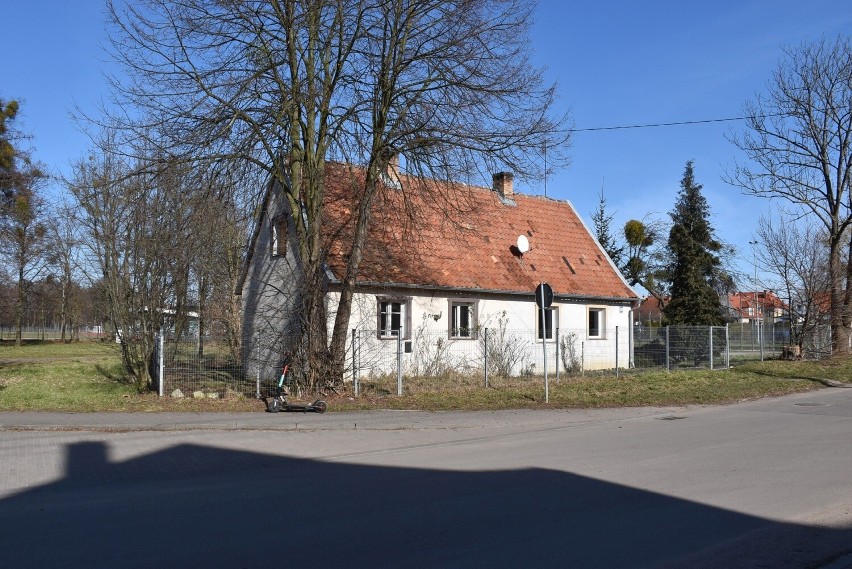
pixel 602 220
pixel 694 260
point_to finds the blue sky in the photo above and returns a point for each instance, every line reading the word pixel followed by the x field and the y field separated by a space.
pixel 616 63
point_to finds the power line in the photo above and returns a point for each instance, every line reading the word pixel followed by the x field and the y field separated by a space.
pixel 678 123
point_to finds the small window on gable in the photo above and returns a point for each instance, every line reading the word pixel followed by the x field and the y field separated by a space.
pixel 278 242
pixel 394 317
pixel 463 319
pixel 547 328
pixel 390 181
pixel 597 323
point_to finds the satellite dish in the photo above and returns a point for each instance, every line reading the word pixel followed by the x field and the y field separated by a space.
pixel 523 244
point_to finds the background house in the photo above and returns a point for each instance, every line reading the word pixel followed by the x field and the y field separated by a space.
pixel 442 265
pixel 649 312
pixel 764 305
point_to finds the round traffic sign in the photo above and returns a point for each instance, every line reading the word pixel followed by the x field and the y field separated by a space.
pixel 543 295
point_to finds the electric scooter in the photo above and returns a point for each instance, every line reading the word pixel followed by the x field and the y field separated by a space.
pixel 279 401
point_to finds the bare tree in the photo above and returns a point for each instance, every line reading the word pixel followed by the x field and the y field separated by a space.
pixel 22 209
pixel 135 225
pixel 281 86
pixel 62 256
pixel 22 235
pixel 796 255
pixel 799 141
pixel 218 236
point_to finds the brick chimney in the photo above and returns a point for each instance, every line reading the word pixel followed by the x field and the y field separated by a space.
pixel 503 182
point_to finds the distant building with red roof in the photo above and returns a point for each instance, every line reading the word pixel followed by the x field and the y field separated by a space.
pixel 763 305
pixel 650 312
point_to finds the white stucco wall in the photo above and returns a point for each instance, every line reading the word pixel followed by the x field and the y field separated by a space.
pixel 516 319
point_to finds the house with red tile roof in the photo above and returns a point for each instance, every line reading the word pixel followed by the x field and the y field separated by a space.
pixel 444 257
pixel 764 305
pixel 650 312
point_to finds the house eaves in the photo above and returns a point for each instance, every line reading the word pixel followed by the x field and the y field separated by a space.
pixel 450 291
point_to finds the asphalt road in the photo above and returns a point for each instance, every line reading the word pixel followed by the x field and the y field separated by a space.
pixel 756 484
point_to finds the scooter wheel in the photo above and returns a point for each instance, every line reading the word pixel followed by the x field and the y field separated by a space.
pixel 273 406
pixel 319 406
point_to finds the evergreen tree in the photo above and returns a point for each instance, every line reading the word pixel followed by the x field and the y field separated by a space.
pixel 8 111
pixel 694 263
pixel 603 233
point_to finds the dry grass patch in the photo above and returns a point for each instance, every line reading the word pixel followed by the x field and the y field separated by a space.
pixel 87 376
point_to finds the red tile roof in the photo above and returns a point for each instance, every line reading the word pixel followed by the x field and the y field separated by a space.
pixel 465 239
pixel 764 299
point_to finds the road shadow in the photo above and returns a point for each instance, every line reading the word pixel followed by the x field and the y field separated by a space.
pixel 195 506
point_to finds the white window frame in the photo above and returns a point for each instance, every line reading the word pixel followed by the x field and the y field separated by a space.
pixel 456 307
pixel 553 311
pixel 601 323
pixel 385 312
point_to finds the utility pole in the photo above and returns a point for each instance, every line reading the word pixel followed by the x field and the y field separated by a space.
pixel 756 302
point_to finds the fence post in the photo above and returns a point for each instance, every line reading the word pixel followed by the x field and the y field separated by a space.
pixel 398 363
pixel 631 341
pixel 582 358
pixel 161 364
pixel 557 355
pixel 667 348
pixel 711 348
pixel 727 346
pixel 354 361
pixel 485 354
pixel 760 335
pixel 616 352
pixel 257 369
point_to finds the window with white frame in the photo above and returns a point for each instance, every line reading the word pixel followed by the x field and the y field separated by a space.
pixel 462 319
pixel 394 317
pixel 597 322
pixel 547 327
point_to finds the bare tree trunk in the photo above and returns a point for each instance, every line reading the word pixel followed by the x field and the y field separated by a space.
pixel 202 314
pixel 344 306
pixel 839 331
pixel 19 308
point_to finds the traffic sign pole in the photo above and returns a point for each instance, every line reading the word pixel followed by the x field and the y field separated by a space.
pixel 544 298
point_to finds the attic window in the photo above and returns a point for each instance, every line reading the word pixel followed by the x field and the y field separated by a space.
pixel 389 181
pixel 278 237
pixel 568 264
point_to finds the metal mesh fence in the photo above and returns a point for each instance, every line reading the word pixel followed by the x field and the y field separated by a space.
pixel 492 357
pixel 52 332
pixel 816 342
pixel 681 347
pixel 751 341
pixel 489 357
pixel 183 368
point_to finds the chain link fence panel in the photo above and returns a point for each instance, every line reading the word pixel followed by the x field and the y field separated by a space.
pixel 428 361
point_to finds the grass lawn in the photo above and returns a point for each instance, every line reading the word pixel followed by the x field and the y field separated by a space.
pixel 87 376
